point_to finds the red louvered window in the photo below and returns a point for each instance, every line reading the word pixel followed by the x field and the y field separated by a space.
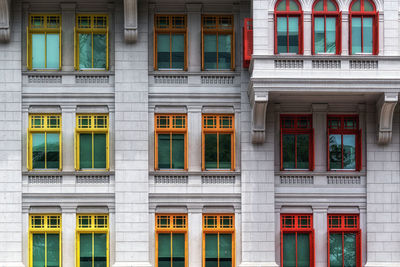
pixel 247 41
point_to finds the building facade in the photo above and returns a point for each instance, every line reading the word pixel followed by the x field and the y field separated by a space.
pixel 200 133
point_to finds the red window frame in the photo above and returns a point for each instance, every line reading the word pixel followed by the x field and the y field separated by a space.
pixel 300 223
pixel 295 130
pixel 331 14
pixel 375 28
pixel 288 14
pixel 342 130
pixel 347 223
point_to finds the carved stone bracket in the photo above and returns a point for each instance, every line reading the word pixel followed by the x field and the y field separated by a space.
pixel 130 21
pixel 5 14
pixel 259 103
pixel 385 109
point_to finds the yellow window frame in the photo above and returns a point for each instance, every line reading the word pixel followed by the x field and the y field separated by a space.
pixel 171 227
pixel 92 29
pixel 93 127
pixel 171 127
pixel 94 228
pixel 44 227
pixel 44 127
pixel 45 29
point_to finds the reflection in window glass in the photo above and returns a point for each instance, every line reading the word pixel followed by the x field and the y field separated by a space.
pixel 349 151
pixel 282 34
pixel 356 35
pixel 335 151
pixel 367 35
pixel 293 34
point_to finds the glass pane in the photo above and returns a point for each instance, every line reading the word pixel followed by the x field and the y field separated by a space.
pixel 38 51
pixel 163 51
pixel 356 6
pixel 293 35
pixel 164 152
pixel 100 250
pixel 85 51
pixel 211 250
pixel 53 250
pixel 331 35
pixel 100 151
pixel 38 150
pixel 349 250
pixel 225 151
pixel 224 51
pixel 99 51
pixel 349 151
pixel 289 250
pixel 85 250
pixel 53 150
pixel 303 149
pixel 335 250
pixel 319 6
pixel 281 28
pixel 178 151
pixel 368 6
pixel 225 250
pixel 293 6
pixel 178 51
pixel 164 250
pixel 38 250
pixel 367 35
pixel 303 250
pixel 178 250
pixel 331 6
pixel 210 51
pixel 85 151
pixel 210 151
pixel 288 151
pixel 53 51
pixel 335 151
pixel 281 6
pixel 356 35
pixel 319 34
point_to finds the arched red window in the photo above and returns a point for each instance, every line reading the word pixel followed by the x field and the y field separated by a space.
pixel 326 24
pixel 364 27
pixel 288 27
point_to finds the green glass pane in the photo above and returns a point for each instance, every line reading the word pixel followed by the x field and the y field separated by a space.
pixel 85 51
pixel 38 150
pixel 163 51
pixel 224 51
pixel 210 51
pixel 331 6
pixel 368 6
pixel 38 250
pixel 85 151
pixel 349 151
pixel 331 35
pixel 178 151
pixel 178 51
pixel 293 6
pixel 289 250
pixel 367 35
pixel 319 6
pixel 225 151
pixel 53 150
pixel 293 35
pixel 164 250
pixel 356 35
pixel 319 34
pixel 211 250
pixel 281 6
pixel 335 250
pixel 210 151
pixel 303 151
pixel 303 250
pixel 335 151
pixel 85 250
pixel 349 250
pixel 164 152
pixel 99 51
pixel 178 250
pixel 288 151
pixel 356 6
pixel 38 51
pixel 100 250
pixel 53 250
pixel 282 36
pixel 225 250
pixel 100 151
pixel 53 51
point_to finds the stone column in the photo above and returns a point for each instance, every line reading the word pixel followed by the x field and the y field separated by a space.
pixel 68 235
pixel 68 119
pixel 195 238
pixel 320 219
pixel 319 123
pixel 67 41
pixel 194 37
pixel 307 33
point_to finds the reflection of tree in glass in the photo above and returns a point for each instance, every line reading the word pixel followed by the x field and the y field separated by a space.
pixel 335 152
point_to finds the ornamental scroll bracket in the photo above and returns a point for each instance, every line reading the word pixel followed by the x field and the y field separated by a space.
pixel 130 21
pixel 259 103
pixel 5 17
pixel 385 109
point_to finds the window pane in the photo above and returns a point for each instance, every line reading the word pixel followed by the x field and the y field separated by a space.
pixel 163 51
pixel 293 35
pixel 335 250
pixel 210 51
pixel 356 6
pixel 225 250
pixel 225 151
pixel 178 250
pixel 38 51
pixel 38 247
pixel 53 150
pixel 100 151
pixel 355 35
pixel 85 250
pixel 281 28
pixel 85 51
pixel 319 6
pixel 38 150
pixel 53 250
pixel 367 35
pixel 331 6
pixel 99 51
pixel 319 35
pixel 349 250
pixel 85 151
pixel 178 151
pixel 335 151
pixel 331 35
pixel 224 51
pixel 303 149
pixel 100 250
pixel 210 151
pixel 178 51
pixel 281 6
pixel 293 6
pixel 164 250
pixel 288 151
pixel 349 151
pixel 164 152
pixel 289 250
pixel 303 250
pixel 211 250
pixel 53 51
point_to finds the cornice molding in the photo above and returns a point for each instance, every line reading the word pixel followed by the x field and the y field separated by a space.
pixel 385 109
pixel 130 21
pixel 5 14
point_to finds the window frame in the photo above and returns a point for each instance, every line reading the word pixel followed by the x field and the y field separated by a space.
pixel 92 30
pixel 375 26
pixel 287 15
pixel 296 131
pixel 346 229
pixel 93 130
pixel 44 30
pixel 218 31
pixel 327 14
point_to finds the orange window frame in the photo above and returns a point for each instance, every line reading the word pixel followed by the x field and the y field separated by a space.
pixel 218 227
pixel 171 128
pixel 171 29
pixel 218 29
pixel 218 128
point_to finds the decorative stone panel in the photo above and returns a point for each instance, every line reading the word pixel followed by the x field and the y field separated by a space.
pixel 41 78
pixel 217 79
pixel 171 179
pixel 296 179
pixel 218 179
pixel 288 64
pixel 171 79
pixel 44 179
pixel 363 64
pixel 344 179
pixel 92 79
pixel 326 64
pixel 93 179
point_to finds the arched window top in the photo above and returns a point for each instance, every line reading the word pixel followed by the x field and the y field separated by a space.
pixel 325 6
pixel 362 6
pixel 288 6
